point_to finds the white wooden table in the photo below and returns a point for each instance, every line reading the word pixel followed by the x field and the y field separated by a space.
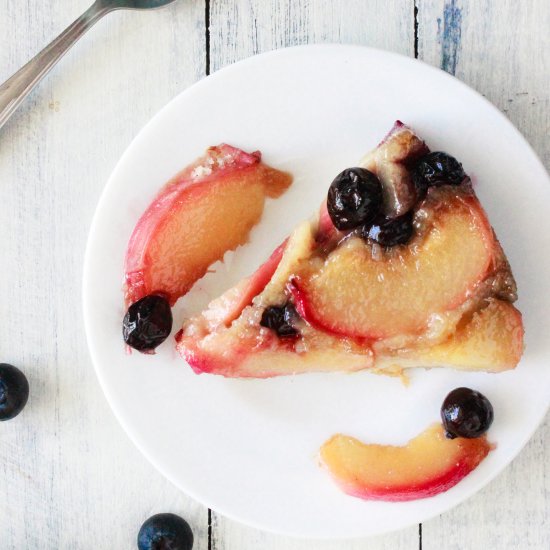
pixel 69 477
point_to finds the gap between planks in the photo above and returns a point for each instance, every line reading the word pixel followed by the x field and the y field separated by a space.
pixel 207 36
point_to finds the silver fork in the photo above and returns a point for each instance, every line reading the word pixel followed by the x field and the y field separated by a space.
pixel 18 87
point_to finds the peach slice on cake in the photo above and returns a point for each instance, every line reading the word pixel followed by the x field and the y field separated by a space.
pixel 185 229
pixel 427 465
pixel 417 279
pixel 359 293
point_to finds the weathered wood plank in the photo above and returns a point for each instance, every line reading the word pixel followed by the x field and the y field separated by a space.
pixel 229 535
pixel 240 28
pixel 69 476
pixel 502 49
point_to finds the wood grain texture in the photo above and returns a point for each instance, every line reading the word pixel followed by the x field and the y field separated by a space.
pixel 240 28
pixel 501 49
pixel 69 476
pixel 229 535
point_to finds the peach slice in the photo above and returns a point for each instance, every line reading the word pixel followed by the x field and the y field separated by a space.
pixel 429 464
pixel 362 291
pixel 204 211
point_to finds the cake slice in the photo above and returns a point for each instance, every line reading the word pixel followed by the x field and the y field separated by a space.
pixel 400 268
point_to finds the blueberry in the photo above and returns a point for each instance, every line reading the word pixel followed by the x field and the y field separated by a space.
pixel 165 532
pixel 14 391
pixel 147 323
pixel 466 413
pixel 390 232
pixel 354 198
pixel 435 169
pixel 280 319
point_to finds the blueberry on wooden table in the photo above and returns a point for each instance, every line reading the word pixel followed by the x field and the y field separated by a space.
pixel 147 323
pixel 466 413
pixel 165 532
pixel 14 391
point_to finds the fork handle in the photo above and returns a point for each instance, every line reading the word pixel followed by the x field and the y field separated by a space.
pixel 18 87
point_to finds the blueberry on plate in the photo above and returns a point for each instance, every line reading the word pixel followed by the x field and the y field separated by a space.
pixel 165 532
pixel 14 391
pixel 147 323
pixel 391 232
pixel 280 319
pixel 466 413
pixel 435 169
pixel 354 198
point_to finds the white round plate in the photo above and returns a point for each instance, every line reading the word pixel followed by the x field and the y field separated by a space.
pixel 248 448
